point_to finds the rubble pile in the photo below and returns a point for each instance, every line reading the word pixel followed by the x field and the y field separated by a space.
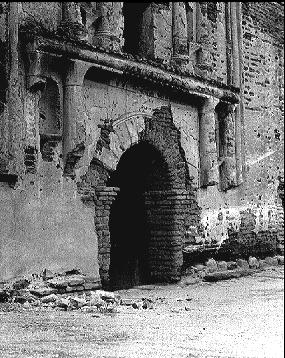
pixel 214 270
pixel 66 291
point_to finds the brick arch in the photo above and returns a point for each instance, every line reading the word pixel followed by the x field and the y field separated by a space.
pixel 167 202
pixel 168 205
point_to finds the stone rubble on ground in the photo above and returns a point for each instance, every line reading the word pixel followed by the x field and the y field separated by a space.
pixel 66 291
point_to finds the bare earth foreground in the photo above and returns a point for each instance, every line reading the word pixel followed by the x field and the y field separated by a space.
pixel 235 318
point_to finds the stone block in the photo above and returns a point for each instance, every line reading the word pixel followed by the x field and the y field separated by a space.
pixel 263 264
pixel 59 282
pixel 243 264
pixel 253 262
pixel 211 265
pixel 231 265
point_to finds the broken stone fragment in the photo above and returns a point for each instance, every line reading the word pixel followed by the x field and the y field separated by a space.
pixel 199 267
pixel 137 305
pixel 222 265
pixel 190 280
pixel 271 261
pixel 47 274
pixel 147 304
pixel 49 298
pixel 77 302
pixel 75 280
pixel 42 291
pixel 243 264
pixel 263 264
pixel 231 265
pixel 226 275
pixel 253 262
pixel 211 265
pixel 58 282
pixel 97 301
pixel 280 259
pixel 127 301
pixel 63 303
pixel 76 288
pixel 91 286
pixel 106 296
pixel 88 309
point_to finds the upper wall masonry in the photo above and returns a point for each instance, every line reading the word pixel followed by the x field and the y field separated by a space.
pixel 195 39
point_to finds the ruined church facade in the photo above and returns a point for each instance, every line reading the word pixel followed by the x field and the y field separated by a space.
pixel 134 135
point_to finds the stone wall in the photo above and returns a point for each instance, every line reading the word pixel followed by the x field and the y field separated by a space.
pixel 250 217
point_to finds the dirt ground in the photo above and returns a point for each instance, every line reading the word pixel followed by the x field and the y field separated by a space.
pixel 237 318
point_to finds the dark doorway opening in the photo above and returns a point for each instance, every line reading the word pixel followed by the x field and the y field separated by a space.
pixel 140 170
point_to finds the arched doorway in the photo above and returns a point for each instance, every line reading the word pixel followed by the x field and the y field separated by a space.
pixel 141 170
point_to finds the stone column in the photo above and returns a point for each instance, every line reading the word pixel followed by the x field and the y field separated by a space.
pixel 74 115
pixel 180 55
pixel 103 34
pixel 15 134
pixel 204 56
pixel 226 119
pixel 208 147
pixel 72 20
pixel 237 40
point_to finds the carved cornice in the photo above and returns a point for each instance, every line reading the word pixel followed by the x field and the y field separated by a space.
pixel 189 85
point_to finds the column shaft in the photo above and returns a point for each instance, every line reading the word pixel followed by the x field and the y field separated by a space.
pixel 208 147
